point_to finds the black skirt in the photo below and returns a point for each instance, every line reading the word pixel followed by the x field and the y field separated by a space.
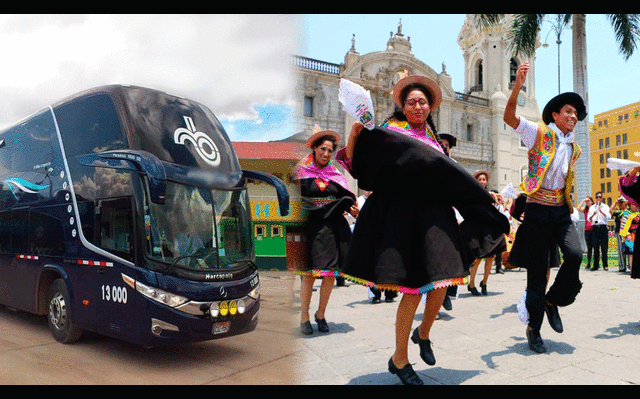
pixel 326 229
pixel 633 191
pixel 401 242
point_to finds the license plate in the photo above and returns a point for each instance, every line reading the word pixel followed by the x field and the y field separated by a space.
pixel 221 328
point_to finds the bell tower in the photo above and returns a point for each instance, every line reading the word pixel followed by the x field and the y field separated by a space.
pixel 490 72
pixel 490 65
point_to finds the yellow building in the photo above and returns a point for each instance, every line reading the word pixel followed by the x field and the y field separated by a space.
pixel 613 134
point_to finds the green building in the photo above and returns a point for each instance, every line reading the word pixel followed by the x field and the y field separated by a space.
pixel 278 240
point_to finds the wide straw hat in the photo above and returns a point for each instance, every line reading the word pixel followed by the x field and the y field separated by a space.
pixel 482 172
pixel 317 133
pixel 430 85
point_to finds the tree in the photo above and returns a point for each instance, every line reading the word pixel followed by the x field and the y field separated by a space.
pixel 523 35
pixel 525 28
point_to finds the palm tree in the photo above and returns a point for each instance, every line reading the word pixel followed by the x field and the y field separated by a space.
pixel 523 35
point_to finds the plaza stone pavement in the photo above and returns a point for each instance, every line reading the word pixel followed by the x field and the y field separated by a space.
pixel 481 341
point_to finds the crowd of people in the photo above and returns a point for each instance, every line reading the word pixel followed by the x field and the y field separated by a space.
pixel 425 224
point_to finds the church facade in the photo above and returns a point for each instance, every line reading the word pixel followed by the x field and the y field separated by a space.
pixel 473 116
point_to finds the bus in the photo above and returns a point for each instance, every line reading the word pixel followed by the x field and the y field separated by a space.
pixel 124 212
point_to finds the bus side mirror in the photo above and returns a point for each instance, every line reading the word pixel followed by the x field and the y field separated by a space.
pixel 281 188
pixel 133 160
pixel 2 143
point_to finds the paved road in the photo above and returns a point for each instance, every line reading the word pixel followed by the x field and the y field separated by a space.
pixel 30 355
pixel 482 341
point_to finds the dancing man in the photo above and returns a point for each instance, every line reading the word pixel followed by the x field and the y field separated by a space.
pixel 547 222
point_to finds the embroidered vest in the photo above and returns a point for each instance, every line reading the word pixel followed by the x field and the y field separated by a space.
pixel 540 157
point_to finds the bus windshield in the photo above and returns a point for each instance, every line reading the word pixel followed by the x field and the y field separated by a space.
pixel 198 228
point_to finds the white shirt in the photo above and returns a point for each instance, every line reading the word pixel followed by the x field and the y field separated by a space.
pixel 575 216
pixel 598 218
pixel 556 174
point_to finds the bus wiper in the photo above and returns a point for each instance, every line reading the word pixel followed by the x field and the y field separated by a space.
pixel 176 260
pixel 198 255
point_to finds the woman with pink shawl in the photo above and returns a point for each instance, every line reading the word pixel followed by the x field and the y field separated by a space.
pixel 326 197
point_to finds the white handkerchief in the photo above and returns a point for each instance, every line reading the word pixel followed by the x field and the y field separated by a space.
pixel 624 165
pixel 523 314
pixel 509 191
pixel 357 102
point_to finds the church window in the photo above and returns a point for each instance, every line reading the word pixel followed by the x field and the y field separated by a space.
pixel 308 106
pixel 513 68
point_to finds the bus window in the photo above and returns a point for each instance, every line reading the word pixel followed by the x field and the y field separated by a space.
pixel 182 232
pixel 90 124
pixel 46 236
pixel 27 162
pixel 33 137
pixel 105 206
pixel 19 231
pixel 5 231
pixel 232 221
pixel 7 197
pixel 115 220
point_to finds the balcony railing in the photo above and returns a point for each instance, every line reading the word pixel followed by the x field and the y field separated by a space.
pixel 472 99
pixel 315 65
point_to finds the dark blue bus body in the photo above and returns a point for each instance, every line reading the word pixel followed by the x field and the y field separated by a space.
pixel 124 211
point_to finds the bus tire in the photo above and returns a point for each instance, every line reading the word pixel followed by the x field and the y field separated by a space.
pixel 60 314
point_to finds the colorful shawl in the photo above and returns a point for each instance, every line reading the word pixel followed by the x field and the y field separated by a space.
pixel 307 168
pixel 426 135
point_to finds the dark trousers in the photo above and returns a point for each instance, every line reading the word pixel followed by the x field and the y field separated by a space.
pixel 588 238
pixel 600 244
pixel 622 260
pixel 548 228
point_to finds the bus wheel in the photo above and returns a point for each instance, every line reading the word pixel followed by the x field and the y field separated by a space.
pixel 60 320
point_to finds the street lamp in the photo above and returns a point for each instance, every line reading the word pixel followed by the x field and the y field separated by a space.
pixel 558 26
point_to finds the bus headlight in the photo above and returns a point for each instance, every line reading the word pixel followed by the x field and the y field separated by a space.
pixel 156 294
pixel 241 306
pixel 254 294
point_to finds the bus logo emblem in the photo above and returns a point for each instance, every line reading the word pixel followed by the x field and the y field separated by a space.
pixel 205 147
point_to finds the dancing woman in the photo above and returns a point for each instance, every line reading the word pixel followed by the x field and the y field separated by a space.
pixel 407 237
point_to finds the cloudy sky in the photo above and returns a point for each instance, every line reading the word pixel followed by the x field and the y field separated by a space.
pixel 237 65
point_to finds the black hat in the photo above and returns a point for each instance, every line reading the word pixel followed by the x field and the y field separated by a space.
pixel 450 139
pixel 559 101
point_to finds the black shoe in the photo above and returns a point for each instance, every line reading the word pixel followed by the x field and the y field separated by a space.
pixel 446 304
pixel 554 317
pixel 535 341
pixel 406 374
pixel 483 287
pixel 473 290
pixel 426 353
pixel 322 324
pixel 593 269
pixel 389 296
pixel 305 328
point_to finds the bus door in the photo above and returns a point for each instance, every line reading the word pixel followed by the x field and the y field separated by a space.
pixel 108 225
